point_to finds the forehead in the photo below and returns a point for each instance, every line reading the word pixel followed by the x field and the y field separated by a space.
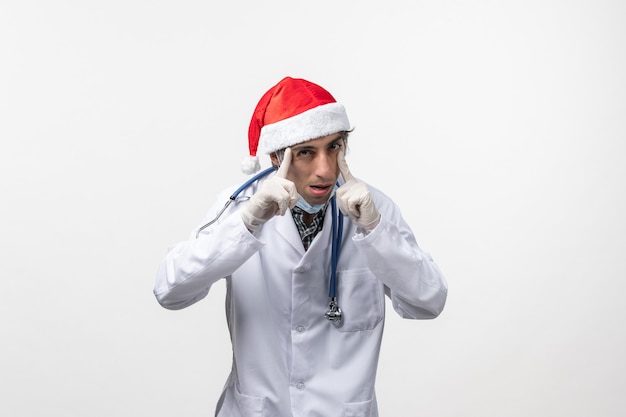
pixel 319 142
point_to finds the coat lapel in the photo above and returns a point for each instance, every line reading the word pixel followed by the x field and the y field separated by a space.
pixel 286 228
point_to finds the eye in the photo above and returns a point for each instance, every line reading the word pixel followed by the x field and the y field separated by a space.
pixel 305 154
pixel 335 146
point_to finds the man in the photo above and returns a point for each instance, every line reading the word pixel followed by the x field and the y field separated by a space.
pixel 305 311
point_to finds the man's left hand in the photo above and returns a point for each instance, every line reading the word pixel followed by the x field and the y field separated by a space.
pixel 354 199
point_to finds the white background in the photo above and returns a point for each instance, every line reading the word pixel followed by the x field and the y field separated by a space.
pixel 498 127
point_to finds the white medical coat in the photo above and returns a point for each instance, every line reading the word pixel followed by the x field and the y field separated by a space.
pixel 288 359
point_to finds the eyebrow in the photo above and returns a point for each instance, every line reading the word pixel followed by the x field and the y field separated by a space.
pixel 309 147
pixel 303 148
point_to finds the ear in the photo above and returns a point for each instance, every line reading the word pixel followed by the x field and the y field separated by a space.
pixel 274 159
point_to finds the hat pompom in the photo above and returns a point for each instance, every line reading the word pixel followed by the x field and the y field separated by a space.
pixel 250 165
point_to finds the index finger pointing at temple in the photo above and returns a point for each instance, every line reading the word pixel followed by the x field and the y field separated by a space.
pixel 284 165
pixel 343 167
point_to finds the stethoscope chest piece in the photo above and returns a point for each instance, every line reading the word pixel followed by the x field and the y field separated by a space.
pixel 334 313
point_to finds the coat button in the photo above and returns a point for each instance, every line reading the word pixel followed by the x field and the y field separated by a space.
pixel 300 385
pixel 300 329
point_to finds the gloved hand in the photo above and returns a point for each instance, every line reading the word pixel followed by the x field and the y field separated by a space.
pixel 274 197
pixel 354 199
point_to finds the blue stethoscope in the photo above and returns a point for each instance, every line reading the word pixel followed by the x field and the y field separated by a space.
pixel 334 313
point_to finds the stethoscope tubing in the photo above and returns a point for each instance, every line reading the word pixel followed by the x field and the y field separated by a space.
pixel 337 230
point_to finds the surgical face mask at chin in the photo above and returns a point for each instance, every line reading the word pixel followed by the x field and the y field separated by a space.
pixel 309 208
pixel 313 208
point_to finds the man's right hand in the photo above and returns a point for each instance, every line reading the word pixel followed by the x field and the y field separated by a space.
pixel 274 197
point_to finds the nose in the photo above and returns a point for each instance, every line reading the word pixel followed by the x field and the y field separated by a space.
pixel 325 165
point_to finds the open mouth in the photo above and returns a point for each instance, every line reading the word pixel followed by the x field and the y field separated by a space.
pixel 319 189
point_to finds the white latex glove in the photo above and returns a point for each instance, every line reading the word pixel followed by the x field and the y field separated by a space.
pixel 354 199
pixel 274 197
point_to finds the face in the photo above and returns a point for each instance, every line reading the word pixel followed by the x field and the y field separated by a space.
pixel 314 169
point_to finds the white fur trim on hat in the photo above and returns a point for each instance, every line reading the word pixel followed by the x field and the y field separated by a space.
pixel 312 124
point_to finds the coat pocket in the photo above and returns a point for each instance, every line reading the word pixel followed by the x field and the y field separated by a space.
pixel 248 405
pixel 361 409
pixel 361 298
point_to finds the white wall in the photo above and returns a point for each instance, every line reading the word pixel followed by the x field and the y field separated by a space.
pixel 499 127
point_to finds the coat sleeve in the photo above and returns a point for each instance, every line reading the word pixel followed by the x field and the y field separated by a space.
pixel 191 267
pixel 413 281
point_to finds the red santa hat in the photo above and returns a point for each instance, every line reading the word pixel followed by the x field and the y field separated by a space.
pixel 292 112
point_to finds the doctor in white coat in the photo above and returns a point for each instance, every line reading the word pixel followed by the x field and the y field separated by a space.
pixel 274 248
